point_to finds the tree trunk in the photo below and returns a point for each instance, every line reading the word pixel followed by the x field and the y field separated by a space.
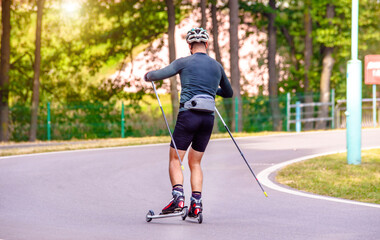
pixel 4 71
pixel 172 56
pixel 273 81
pixel 234 60
pixel 308 53
pixel 36 78
pixel 215 35
pixel 328 64
pixel 293 53
pixel 215 32
pixel 204 17
pixel 203 12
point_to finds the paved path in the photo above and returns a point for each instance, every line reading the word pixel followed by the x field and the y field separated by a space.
pixel 106 193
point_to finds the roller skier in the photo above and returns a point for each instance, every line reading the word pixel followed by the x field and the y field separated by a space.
pixel 202 78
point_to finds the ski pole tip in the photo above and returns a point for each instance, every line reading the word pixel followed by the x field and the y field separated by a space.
pixel 266 195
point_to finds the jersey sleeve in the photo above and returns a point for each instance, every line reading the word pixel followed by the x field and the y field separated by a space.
pixel 166 72
pixel 225 89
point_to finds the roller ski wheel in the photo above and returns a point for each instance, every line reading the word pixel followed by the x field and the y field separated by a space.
pixel 182 213
pixel 195 210
pixel 184 216
pixel 200 218
pixel 149 215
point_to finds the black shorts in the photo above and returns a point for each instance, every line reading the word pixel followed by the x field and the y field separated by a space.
pixel 193 127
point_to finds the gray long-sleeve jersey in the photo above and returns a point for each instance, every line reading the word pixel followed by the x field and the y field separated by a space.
pixel 199 73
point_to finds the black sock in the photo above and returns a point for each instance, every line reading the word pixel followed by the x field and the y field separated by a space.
pixel 196 195
pixel 178 187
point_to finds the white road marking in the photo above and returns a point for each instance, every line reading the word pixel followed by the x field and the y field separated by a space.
pixel 263 177
pixel 262 164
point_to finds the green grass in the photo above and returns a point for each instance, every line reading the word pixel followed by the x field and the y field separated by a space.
pixel 332 176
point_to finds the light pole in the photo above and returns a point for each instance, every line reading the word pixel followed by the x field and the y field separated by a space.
pixel 354 94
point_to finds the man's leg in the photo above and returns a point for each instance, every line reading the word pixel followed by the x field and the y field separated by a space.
pixel 176 178
pixel 196 179
pixel 175 171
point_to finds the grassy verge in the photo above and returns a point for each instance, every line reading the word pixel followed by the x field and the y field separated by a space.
pixel 52 146
pixel 332 176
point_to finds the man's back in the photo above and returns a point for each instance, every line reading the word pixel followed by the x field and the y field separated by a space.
pixel 199 73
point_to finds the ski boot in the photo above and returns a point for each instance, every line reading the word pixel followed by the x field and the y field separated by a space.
pixel 195 209
pixel 176 204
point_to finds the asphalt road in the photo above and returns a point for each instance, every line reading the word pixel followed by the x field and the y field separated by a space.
pixel 106 193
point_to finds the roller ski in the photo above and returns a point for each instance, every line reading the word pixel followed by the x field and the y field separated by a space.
pixel 175 208
pixel 195 210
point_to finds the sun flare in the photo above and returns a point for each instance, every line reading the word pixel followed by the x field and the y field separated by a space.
pixel 70 6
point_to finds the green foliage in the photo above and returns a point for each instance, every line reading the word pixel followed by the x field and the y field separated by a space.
pixel 122 25
pixel 335 32
pixel 104 35
pixel 76 46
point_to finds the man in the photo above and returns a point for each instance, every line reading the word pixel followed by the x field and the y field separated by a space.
pixel 201 77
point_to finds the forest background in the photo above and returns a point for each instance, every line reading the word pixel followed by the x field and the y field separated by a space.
pixel 73 55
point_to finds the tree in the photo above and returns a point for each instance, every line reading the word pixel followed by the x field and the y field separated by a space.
pixel 328 64
pixel 234 59
pixel 172 56
pixel 218 58
pixel 215 32
pixel 4 71
pixel 273 80
pixel 78 47
pixel 308 54
pixel 37 68
pixel 203 4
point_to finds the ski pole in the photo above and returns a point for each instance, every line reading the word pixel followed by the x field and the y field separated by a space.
pixel 167 125
pixel 241 153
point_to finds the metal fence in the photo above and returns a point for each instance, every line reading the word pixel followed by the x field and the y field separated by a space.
pixel 70 121
pixel 121 119
pixel 114 120
pixel 309 112
pixel 370 113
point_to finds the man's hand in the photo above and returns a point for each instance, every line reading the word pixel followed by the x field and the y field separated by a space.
pixel 146 77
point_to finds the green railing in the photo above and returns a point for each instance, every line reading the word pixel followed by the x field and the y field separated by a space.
pixel 309 111
pixel 115 120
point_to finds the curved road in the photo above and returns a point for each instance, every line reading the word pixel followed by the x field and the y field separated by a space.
pixel 106 193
